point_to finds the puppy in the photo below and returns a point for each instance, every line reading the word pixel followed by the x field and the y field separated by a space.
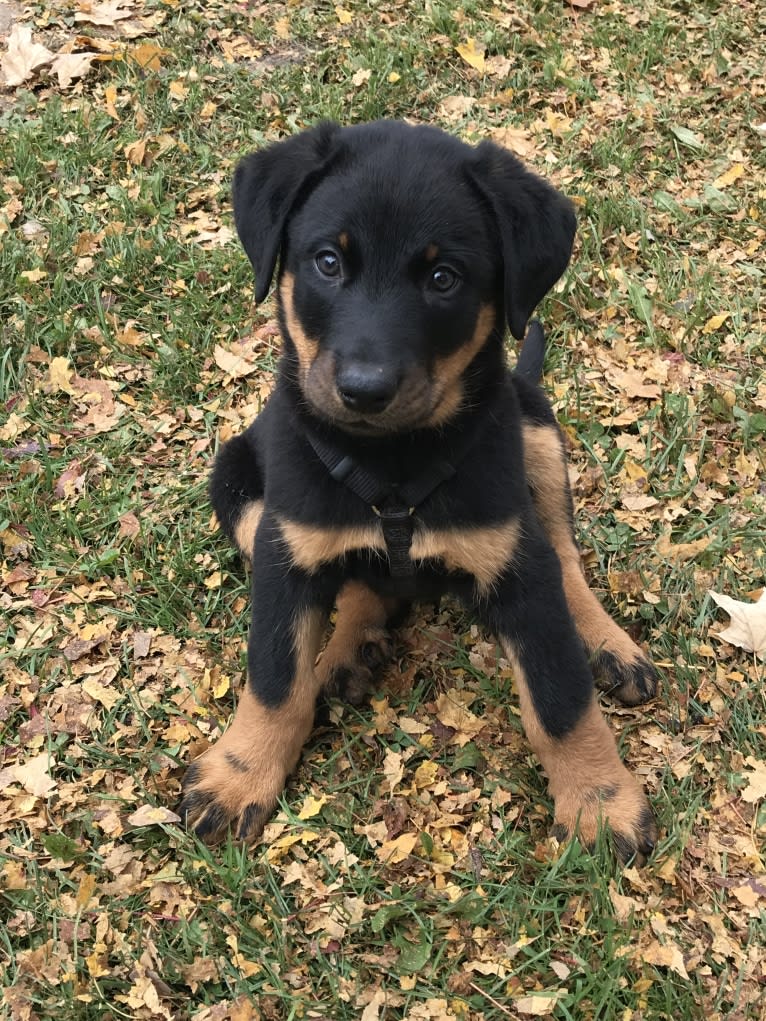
pixel 398 459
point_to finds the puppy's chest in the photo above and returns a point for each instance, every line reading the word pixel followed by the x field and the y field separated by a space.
pixel 482 551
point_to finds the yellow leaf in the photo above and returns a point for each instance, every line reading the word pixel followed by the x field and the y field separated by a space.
pixel 394 851
pixel 715 322
pixel 471 55
pixel 178 90
pixel 33 275
pixel 425 774
pixel 394 78
pixel 234 365
pixel 312 806
pixel 452 712
pixel 735 171
pixel 213 580
pixel 558 123
pixel 147 56
pixel 59 375
pixel 282 28
pixel 343 16
pixel 110 98
pixel 223 685
pixel 85 891
pixel 135 152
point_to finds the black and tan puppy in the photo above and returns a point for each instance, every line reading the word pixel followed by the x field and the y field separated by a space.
pixel 398 459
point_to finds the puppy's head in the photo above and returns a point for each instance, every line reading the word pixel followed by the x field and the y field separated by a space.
pixel 401 250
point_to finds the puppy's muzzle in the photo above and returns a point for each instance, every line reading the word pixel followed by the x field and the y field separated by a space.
pixel 366 388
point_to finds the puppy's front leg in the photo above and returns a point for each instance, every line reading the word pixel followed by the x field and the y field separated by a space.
pixel 235 784
pixel 589 783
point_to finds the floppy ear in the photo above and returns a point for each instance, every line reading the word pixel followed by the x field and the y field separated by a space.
pixel 536 225
pixel 267 185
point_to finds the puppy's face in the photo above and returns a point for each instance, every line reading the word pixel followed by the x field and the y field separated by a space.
pixel 401 250
pixel 389 289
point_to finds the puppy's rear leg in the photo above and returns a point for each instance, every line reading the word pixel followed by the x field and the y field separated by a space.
pixel 619 665
pixel 360 646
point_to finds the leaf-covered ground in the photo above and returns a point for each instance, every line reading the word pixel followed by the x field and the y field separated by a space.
pixel 408 873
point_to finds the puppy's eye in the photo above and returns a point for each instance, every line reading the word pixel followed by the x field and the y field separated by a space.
pixel 327 263
pixel 443 279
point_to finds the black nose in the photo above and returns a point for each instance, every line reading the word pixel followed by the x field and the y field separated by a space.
pixel 366 388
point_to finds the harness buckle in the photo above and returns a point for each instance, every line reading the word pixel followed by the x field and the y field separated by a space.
pixel 396 519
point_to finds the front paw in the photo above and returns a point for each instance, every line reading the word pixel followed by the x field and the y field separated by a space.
pixel 625 674
pixel 621 805
pixel 224 791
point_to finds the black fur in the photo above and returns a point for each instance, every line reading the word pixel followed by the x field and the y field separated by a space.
pixel 398 189
pixel 402 256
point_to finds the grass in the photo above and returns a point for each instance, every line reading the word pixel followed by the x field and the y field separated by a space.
pixel 124 613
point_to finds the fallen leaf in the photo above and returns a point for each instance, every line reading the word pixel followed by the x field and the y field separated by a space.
pixel 748 623
pixel 60 375
pixel 372 1011
pixel 68 66
pixel 471 55
pixel 34 776
pixel 394 851
pixel 152 815
pixel 234 365
pixel 756 787
pixel 312 806
pixel 687 137
pixel 23 56
pixel 730 176
pixel 106 14
pixel 540 1004
pixel 666 955
pixel 33 275
pixel 393 769
pixel 715 323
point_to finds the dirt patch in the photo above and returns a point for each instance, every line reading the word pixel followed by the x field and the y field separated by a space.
pixel 9 12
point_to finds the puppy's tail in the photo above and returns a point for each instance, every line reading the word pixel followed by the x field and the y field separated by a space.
pixel 530 363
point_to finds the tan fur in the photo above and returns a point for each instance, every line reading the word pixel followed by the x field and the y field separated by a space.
pixel 481 552
pixel 246 527
pixel 448 371
pixel 582 768
pixel 361 619
pixel 306 347
pixel 250 763
pixel 546 471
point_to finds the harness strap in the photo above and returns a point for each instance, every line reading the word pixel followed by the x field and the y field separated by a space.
pixel 394 504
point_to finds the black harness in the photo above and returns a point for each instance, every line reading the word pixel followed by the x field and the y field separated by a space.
pixel 394 503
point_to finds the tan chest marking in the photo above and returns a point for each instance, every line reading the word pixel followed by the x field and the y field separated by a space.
pixel 481 552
